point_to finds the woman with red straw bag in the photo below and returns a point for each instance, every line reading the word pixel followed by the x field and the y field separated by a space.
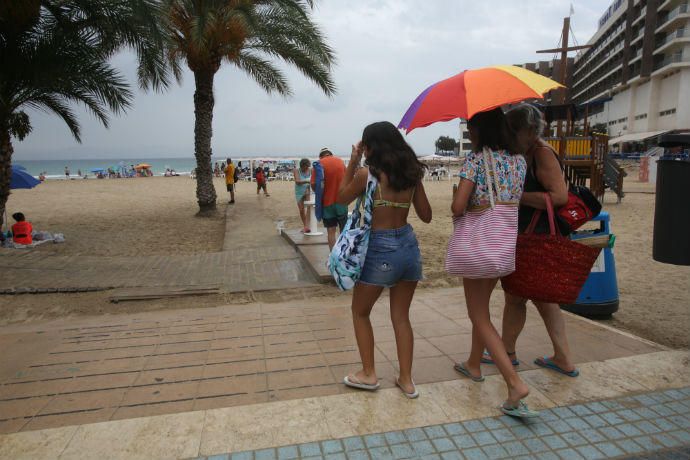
pixel 544 175
pixel 482 246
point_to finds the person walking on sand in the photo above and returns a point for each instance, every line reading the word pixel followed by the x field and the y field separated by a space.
pixel 482 247
pixel 260 176
pixel 66 172
pixel 302 175
pixel 334 214
pixel 230 180
pixel 393 259
pixel 544 174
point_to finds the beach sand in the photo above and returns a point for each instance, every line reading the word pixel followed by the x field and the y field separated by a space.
pixel 156 216
pixel 120 217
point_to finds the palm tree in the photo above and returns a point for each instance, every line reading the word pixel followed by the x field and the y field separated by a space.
pixel 248 34
pixel 55 54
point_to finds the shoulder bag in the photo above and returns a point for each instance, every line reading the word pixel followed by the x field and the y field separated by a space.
pixel 346 259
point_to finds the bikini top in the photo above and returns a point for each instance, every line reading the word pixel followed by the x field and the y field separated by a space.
pixel 380 202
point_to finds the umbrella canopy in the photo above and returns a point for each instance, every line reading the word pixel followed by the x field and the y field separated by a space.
pixel 142 166
pixel 97 170
pixel 432 157
pixel 22 179
pixel 473 91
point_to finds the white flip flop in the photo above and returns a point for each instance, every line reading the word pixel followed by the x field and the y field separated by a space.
pixel 359 385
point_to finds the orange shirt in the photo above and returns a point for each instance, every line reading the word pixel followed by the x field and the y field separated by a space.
pixel 21 232
pixel 333 173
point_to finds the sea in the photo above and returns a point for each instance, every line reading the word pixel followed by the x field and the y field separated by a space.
pixel 55 169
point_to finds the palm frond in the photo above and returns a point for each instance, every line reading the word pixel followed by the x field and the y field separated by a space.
pixel 264 73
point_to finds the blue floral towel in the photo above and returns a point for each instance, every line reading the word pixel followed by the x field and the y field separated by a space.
pixel 347 256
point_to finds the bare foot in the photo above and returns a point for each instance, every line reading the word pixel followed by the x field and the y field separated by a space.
pixel 564 364
pixel 361 377
pixel 475 371
pixel 516 393
pixel 406 385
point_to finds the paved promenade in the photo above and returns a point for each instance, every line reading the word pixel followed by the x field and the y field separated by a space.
pixel 248 262
pixel 620 407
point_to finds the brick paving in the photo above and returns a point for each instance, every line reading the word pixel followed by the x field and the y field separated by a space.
pixel 123 366
pixel 255 257
pixel 652 425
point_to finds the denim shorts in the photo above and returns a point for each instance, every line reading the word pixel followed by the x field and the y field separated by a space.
pixel 392 256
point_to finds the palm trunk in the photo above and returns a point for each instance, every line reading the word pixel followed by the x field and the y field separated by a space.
pixel 5 170
pixel 203 130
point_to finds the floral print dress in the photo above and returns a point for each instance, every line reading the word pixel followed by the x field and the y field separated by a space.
pixel 510 173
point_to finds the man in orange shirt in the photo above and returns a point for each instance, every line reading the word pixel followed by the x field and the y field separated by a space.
pixel 333 214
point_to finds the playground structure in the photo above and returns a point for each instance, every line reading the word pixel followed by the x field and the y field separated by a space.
pixel 586 162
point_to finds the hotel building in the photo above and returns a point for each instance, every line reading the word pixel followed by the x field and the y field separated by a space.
pixel 640 57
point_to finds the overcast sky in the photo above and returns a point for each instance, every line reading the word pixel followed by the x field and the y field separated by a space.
pixel 388 51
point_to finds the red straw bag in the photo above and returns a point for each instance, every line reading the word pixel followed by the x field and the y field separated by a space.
pixel 549 267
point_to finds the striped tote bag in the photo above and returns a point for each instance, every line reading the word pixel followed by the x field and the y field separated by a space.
pixel 483 242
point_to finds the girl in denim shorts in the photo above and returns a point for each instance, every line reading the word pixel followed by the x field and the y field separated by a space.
pixel 393 259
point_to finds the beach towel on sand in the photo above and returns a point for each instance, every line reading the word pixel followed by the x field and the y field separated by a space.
pixel 318 189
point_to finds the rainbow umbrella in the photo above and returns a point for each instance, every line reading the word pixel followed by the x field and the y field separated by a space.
pixel 473 91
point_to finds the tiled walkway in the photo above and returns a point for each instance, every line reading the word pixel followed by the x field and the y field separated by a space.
pixel 647 425
pixel 263 260
pixel 117 367
pixel 622 406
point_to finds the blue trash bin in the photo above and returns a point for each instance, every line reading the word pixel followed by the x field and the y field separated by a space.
pixel 599 295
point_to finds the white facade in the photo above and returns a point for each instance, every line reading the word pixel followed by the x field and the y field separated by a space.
pixel 649 79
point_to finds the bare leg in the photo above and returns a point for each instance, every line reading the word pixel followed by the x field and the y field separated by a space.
pixel 401 298
pixel 514 317
pixel 331 236
pixel 302 213
pixel 477 296
pixel 232 195
pixel 555 325
pixel 364 297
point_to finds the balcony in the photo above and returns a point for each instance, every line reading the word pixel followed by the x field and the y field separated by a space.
pixel 676 58
pixel 667 20
pixel 641 17
pixel 637 37
pixel 679 35
pixel 636 55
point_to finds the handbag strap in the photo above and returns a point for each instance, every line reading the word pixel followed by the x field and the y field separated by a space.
pixel 537 214
pixel 366 202
pixel 491 179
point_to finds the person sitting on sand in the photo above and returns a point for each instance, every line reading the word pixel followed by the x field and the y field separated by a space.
pixel 302 179
pixel 22 230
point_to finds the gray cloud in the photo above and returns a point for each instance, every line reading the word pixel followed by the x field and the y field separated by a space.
pixel 388 52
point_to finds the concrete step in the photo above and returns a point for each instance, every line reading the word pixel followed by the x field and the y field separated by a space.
pixel 316 257
pixel 297 238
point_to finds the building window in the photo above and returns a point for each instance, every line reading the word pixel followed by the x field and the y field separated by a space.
pixel 623 120
pixel 641 117
pixel 665 113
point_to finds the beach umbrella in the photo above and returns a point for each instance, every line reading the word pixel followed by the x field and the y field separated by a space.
pixel 473 91
pixel 142 166
pixel 97 170
pixel 22 179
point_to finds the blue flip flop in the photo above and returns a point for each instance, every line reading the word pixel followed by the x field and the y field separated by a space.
pixel 460 367
pixel 487 359
pixel 521 411
pixel 547 363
